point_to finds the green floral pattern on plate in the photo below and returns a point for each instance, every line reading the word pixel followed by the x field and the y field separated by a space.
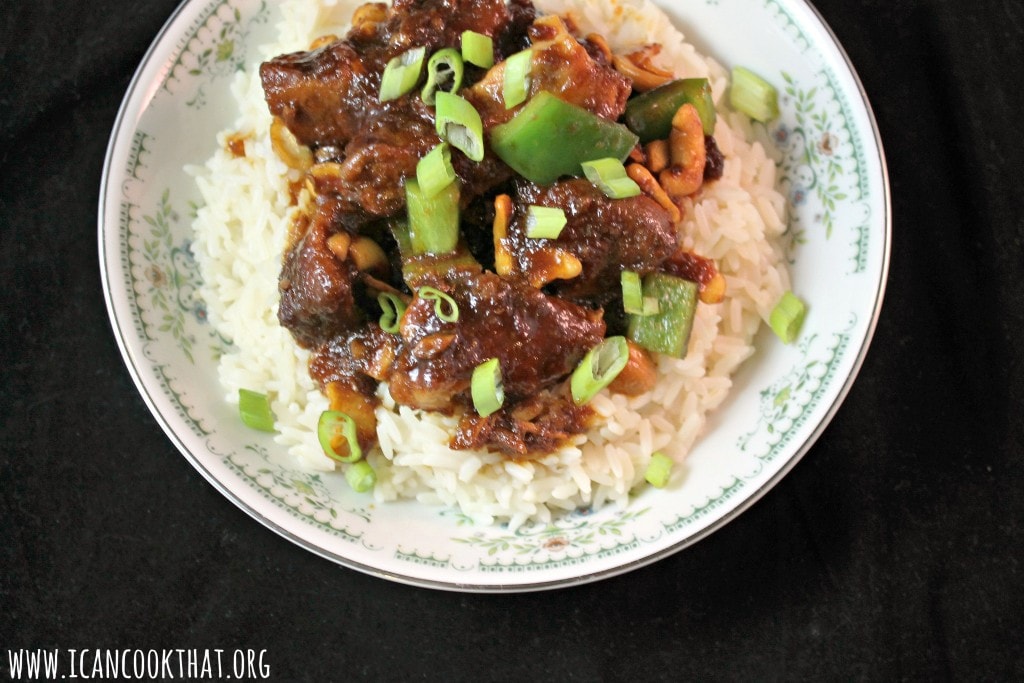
pixel 787 403
pixel 214 47
pixel 161 277
pixel 303 494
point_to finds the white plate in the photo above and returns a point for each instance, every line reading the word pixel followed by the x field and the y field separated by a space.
pixel 834 174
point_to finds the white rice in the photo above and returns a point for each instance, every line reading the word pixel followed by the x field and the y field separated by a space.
pixel 240 235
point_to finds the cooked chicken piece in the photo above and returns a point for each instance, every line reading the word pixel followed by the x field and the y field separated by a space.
pixel 498 318
pixel 606 235
pixel 317 301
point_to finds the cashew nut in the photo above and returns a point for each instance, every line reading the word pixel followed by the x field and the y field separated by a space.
pixel 688 154
pixel 638 67
pixel 650 187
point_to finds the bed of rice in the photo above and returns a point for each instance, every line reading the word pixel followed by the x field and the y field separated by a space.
pixel 239 238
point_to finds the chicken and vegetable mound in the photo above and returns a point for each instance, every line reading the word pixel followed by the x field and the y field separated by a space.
pixel 491 222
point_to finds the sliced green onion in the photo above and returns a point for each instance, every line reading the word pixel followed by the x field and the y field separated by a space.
pixel 333 424
pixel 478 49
pixel 632 292
pixel 434 172
pixel 753 96
pixel 392 310
pixel 401 74
pixel 444 74
pixel 659 469
pixel 486 387
pixel 599 367
pixel 445 307
pixel 254 409
pixel 421 269
pixel 418 271
pixel 400 231
pixel 459 123
pixel 361 476
pixel 668 329
pixel 787 317
pixel 515 85
pixel 633 299
pixel 544 222
pixel 609 176
pixel 433 221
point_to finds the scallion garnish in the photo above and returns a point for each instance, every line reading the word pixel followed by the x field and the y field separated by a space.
pixel 632 292
pixel 444 74
pixel 392 309
pixel 486 387
pixel 659 469
pixel 334 425
pixel 433 221
pixel 544 222
pixel 445 307
pixel 478 49
pixel 361 476
pixel 787 317
pixel 598 369
pixel 633 299
pixel 609 176
pixel 254 409
pixel 401 74
pixel 434 172
pixel 515 85
pixel 459 123
pixel 753 96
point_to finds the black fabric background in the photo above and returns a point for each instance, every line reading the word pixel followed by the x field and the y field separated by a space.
pixel 892 551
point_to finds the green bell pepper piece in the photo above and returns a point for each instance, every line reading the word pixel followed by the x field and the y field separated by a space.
pixel 650 115
pixel 668 330
pixel 549 138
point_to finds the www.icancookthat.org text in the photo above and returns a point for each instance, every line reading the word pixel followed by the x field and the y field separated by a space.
pixel 137 664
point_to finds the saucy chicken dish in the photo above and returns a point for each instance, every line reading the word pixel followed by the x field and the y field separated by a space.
pixel 490 222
